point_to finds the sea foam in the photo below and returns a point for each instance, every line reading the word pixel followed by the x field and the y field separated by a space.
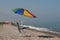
pixel 40 29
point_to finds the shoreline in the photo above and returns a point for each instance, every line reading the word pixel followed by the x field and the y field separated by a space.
pixel 43 30
pixel 10 32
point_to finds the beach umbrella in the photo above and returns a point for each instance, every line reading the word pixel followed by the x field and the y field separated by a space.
pixel 24 12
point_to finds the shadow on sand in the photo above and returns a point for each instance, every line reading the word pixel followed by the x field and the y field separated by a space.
pixel 45 36
pixel 40 36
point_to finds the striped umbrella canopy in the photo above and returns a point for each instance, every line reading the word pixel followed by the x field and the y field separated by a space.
pixel 24 12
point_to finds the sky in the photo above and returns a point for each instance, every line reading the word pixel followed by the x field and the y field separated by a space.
pixel 45 10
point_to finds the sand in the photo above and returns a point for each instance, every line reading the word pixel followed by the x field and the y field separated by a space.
pixel 10 32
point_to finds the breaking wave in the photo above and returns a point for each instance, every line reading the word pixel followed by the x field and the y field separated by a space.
pixel 40 29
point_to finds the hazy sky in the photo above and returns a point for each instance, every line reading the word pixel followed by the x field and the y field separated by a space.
pixel 45 10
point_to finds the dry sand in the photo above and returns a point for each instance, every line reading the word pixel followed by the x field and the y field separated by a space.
pixel 10 32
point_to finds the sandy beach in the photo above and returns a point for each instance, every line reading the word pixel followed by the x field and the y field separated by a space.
pixel 10 32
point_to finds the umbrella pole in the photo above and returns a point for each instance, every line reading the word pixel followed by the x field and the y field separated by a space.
pixel 19 29
pixel 20 25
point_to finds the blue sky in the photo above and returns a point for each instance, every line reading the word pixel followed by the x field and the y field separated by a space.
pixel 45 10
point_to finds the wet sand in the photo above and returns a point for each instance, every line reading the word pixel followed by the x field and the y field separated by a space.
pixel 10 32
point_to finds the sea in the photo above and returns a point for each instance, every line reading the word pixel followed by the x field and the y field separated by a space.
pixel 53 26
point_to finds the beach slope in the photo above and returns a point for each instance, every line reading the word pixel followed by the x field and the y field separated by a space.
pixel 10 32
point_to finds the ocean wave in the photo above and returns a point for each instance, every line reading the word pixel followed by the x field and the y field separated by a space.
pixel 40 29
